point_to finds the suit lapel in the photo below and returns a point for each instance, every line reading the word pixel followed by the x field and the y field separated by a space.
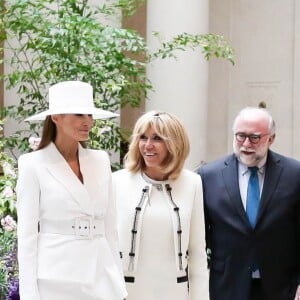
pixel 272 175
pixel 96 174
pixel 230 176
pixel 62 172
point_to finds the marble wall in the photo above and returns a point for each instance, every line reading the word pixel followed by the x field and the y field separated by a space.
pixel 264 35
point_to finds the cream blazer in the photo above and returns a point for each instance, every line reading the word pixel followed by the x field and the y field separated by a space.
pixel 187 193
pixel 47 188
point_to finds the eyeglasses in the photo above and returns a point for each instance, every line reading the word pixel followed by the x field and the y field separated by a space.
pixel 253 138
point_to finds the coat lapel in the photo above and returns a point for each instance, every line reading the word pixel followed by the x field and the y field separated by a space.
pixel 230 176
pixel 60 169
pixel 272 175
pixel 96 172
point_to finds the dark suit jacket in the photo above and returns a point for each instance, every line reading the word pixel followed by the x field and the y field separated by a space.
pixel 275 241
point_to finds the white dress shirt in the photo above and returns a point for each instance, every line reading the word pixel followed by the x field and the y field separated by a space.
pixel 244 176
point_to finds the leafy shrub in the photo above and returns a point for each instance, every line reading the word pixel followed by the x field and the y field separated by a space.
pixel 57 40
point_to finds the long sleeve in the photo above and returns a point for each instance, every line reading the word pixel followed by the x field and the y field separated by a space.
pixel 198 271
pixel 28 218
pixel 111 224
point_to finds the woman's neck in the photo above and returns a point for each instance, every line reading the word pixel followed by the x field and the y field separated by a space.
pixel 68 151
pixel 70 154
pixel 156 175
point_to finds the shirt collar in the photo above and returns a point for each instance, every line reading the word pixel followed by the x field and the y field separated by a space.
pixel 261 167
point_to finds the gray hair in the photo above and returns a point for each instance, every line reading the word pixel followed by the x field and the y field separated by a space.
pixel 251 109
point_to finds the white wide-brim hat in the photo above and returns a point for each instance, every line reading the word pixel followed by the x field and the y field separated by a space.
pixel 72 97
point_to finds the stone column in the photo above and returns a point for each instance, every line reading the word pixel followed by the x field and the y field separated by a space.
pixel 180 85
pixel 296 88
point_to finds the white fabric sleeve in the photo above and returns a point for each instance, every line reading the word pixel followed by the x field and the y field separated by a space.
pixel 197 263
pixel 28 193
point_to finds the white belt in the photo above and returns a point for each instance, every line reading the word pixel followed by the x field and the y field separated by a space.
pixel 82 228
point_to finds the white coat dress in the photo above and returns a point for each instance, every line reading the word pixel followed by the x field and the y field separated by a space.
pixel 161 232
pixel 59 266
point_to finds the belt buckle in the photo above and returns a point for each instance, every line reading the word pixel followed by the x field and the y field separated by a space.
pixel 84 228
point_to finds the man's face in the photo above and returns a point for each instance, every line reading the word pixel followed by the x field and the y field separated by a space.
pixel 252 139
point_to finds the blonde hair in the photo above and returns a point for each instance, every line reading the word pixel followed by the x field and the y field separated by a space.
pixel 171 131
